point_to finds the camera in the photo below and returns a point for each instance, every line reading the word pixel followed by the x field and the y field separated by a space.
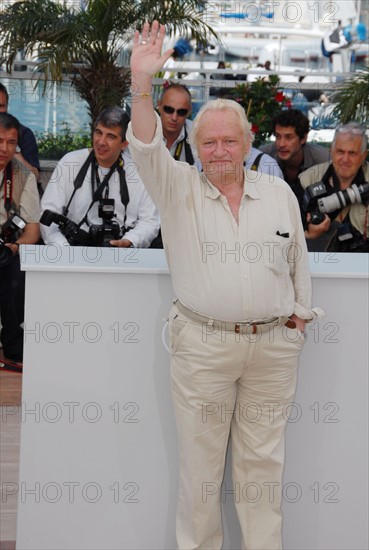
pixel 74 234
pixel 98 235
pixel 310 201
pixel 318 202
pixel 351 195
pixel 101 235
pixel 9 234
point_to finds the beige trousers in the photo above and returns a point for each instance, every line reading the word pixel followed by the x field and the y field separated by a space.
pixel 238 386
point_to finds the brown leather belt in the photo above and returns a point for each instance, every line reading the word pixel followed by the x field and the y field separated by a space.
pixel 230 326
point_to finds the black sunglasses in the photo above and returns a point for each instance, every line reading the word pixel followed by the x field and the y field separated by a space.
pixel 170 110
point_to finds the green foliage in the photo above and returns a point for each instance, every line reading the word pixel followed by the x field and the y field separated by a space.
pixel 86 39
pixel 55 146
pixel 352 98
pixel 262 101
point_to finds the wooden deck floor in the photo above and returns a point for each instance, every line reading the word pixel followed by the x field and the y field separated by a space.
pixel 10 423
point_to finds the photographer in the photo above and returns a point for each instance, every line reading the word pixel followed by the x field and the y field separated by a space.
pixel 89 188
pixel 27 150
pixel 345 229
pixel 290 149
pixel 174 107
pixel 18 195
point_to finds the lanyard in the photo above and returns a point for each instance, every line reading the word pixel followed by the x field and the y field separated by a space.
pixel 188 152
pixel 97 195
pixel 8 187
pixel 178 151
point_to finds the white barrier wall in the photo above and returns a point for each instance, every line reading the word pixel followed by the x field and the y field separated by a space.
pixel 98 463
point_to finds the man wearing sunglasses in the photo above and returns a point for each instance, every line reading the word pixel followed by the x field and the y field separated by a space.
pixel 345 228
pixel 174 107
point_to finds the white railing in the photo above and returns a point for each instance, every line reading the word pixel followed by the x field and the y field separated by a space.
pixel 203 81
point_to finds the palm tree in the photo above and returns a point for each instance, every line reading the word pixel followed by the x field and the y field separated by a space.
pixel 86 39
pixel 352 98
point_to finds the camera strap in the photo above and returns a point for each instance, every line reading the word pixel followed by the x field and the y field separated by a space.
pixel 124 194
pixel 80 178
pixel 8 187
pixel 188 152
pixel 255 165
pixel 101 185
pixel 97 194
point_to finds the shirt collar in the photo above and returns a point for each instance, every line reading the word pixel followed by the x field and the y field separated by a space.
pixel 179 138
pixel 249 189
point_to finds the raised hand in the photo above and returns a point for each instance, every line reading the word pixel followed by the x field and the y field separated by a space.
pixel 146 60
pixel 146 57
pixel 314 231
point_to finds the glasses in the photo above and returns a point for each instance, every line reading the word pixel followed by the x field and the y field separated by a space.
pixel 350 130
pixel 170 110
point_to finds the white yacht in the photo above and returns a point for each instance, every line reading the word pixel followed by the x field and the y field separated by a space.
pixel 288 33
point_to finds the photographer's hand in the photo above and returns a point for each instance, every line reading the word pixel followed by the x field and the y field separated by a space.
pixel 122 243
pixel 30 235
pixel 14 247
pixel 314 231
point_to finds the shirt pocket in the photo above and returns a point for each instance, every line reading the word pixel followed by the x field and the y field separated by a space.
pixel 278 251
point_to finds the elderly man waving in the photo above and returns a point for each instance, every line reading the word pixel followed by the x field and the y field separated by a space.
pixel 237 254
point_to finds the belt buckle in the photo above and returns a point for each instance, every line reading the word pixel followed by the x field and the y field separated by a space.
pixel 237 327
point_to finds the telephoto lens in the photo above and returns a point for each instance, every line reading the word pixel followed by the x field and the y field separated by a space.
pixel 351 195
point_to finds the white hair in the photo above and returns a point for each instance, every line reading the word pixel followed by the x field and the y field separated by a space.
pixel 353 128
pixel 222 105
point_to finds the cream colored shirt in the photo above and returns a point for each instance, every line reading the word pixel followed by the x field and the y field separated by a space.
pixel 219 268
pixel 26 200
